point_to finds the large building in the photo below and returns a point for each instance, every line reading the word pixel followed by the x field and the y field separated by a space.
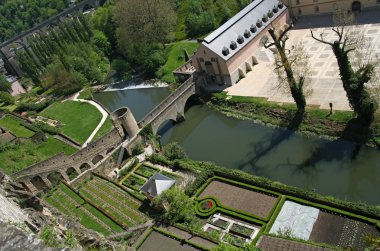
pixel 315 7
pixel 228 53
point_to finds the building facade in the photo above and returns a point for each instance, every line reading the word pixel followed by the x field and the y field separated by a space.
pixel 315 7
pixel 228 53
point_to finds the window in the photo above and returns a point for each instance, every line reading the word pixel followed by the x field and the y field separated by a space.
pixel 299 12
pixel 213 60
pixel 316 9
pixel 335 5
pixel 297 2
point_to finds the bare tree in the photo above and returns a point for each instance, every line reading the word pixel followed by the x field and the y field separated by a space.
pixel 291 66
pixel 354 81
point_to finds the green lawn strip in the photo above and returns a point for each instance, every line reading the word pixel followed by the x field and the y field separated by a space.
pixel 14 125
pixel 53 202
pixel 104 197
pixel 79 119
pixel 106 128
pixel 85 219
pixel 29 153
pixel 175 58
pixel 145 171
pixel 125 198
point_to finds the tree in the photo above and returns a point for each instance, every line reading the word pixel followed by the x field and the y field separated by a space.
pixel 178 206
pixel 354 81
pixel 144 21
pixel 287 62
pixel 173 151
pixel 5 86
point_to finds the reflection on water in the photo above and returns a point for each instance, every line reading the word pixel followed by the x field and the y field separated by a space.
pixel 308 162
pixel 140 101
pixel 335 168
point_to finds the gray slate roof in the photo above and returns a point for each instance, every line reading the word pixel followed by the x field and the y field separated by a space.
pixel 157 184
pixel 239 24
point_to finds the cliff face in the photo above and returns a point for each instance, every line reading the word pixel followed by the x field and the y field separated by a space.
pixel 10 211
pixel 12 238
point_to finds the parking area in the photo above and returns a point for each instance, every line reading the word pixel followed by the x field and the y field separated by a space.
pixel 325 82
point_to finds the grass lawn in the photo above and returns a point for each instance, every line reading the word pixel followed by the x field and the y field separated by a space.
pixel 28 153
pixel 13 124
pixel 106 128
pixel 175 59
pixel 79 119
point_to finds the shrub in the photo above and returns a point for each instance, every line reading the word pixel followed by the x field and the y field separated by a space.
pixel 173 151
pixel 23 107
pixel 6 98
pixel 137 149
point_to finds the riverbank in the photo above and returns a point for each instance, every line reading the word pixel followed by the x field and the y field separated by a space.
pixel 315 121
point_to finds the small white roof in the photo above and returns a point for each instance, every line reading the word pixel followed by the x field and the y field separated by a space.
pixel 157 184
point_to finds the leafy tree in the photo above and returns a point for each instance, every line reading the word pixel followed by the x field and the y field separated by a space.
pixel 6 98
pixel 100 41
pixel 144 21
pixel 5 86
pixel 178 206
pixel 354 81
pixel 173 151
pixel 287 64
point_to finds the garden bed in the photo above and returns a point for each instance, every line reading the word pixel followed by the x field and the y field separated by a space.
pixel 134 182
pixel 220 223
pixel 241 230
pixel 146 171
pixel 241 199
pixel 341 231
pixel 234 239
pixel 158 241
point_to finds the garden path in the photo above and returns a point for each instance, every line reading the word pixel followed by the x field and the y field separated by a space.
pixel 101 110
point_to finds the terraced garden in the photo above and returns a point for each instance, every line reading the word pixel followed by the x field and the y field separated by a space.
pixel 72 205
pixel 116 202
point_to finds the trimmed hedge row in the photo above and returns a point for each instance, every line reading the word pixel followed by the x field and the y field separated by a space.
pixel 206 170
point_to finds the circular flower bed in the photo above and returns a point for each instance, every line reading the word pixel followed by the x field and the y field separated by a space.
pixel 206 206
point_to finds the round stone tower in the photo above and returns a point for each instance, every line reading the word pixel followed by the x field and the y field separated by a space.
pixel 125 117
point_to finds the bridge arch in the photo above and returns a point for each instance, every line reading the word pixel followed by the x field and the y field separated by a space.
pixel 97 159
pixel 84 167
pixel 38 182
pixel 54 178
pixel 72 173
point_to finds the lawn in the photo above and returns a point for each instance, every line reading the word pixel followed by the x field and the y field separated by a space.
pixel 28 153
pixel 106 128
pixel 134 182
pixel 146 171
pixel 69 203
pixel 79 119
pixel 13 124
pixel 175 58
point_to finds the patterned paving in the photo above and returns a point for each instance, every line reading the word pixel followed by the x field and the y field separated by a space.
pixel 325 83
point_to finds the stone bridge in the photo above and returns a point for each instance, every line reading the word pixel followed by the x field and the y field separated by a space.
pixel 124 135
pixel 171 108
pixel 7 49
pixel 44 173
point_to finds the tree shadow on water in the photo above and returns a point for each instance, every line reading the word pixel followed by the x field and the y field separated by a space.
pixel 262 148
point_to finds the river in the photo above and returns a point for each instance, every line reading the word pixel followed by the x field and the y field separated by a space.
pixel 336 168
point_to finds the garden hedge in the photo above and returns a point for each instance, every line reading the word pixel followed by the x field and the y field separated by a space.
pixel 205 170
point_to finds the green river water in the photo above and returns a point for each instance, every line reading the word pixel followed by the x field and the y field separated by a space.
pixel 338 168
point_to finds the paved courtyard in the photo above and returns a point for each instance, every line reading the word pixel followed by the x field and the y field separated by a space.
pixel 325 82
